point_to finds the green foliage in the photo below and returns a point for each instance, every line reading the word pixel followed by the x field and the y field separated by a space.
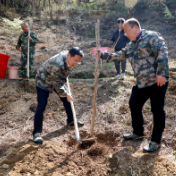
pixel 168 13
pixel 110 90
pixel 117 90
pixel 13 25
pixel 148 107
pixel 110 110
pixel 113 99
pixel 174 152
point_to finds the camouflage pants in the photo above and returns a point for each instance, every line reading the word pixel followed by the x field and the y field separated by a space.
pixel 23 67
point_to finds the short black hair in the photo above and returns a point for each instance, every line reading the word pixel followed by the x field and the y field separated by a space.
pixel 76 51
pixel 132 22
pixel 121 19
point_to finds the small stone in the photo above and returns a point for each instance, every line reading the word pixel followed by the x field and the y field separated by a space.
pixel 33 107
pixel 110 156
pixel 2 112
pixel 36 173
pixel 5 166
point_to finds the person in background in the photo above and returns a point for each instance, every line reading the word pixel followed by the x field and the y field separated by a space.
pixel 119 41
pixel 22 46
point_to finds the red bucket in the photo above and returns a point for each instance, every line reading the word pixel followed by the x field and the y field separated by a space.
pixel 3 64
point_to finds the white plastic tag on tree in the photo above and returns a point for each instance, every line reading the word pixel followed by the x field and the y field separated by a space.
pixel 130 3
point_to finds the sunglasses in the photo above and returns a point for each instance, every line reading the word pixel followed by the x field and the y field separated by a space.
pixel 120 21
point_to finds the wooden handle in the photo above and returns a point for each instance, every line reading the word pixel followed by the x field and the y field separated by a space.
pixel 96 75
pixel 28 55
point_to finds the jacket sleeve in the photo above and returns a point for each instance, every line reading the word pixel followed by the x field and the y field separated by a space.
pixel 34 40
pixel 111 57
pixel 112 39
pixel 160 51
pixel 19 42
pixel 61 89
pixel 58 79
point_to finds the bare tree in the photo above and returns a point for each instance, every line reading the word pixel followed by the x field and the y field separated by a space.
pixel 50 9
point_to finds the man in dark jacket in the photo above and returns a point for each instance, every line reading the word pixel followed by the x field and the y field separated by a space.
pixel 119 41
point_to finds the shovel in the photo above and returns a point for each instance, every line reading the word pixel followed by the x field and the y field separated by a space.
pixel 28 55
pixel 78 138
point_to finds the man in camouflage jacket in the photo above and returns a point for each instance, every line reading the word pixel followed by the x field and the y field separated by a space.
pixel 22 46
pixel 148 55
pixel 50 77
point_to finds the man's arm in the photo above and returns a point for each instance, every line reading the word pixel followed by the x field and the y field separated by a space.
pixel 18 43
pixel 34 39
pixel 112 39
pixel 111 57
pixel 161 53
pixel 61 89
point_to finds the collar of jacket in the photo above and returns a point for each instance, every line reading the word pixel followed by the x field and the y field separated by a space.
pixel 64 56
pixel 120 31
pixel 144 33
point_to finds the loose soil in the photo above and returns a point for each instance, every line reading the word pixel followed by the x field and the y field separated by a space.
pixel 60 155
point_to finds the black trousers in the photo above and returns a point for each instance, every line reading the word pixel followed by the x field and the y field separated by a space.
pixel 42 97
pixel 157 98
pixel 123 66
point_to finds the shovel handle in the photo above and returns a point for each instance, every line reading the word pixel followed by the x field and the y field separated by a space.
pixel 78 139
pixel 28 55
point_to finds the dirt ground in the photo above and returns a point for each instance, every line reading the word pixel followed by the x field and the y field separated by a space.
pixel 59 154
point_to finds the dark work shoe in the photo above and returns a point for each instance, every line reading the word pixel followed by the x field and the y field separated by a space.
pixel 20 79
pixel 37 138
pixel 131 136
pixel 151 147
pixel 26 79
pixel 71 124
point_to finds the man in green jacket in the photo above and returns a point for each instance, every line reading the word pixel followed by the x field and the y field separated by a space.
pixel 22 46
pixel 148 55
pixel 50 77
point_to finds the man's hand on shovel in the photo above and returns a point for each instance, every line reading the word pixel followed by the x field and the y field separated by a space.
pixel 29 38
pixel 69 98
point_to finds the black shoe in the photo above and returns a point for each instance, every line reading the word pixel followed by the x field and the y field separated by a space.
pixel 37 138
pixel 20 79
pixel 26 79
pixel 71 124
pixel 151 147
pixel 131 136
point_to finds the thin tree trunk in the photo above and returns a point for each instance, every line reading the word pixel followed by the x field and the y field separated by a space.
pixel 96 75
pixel 50 9
pixel 39 10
